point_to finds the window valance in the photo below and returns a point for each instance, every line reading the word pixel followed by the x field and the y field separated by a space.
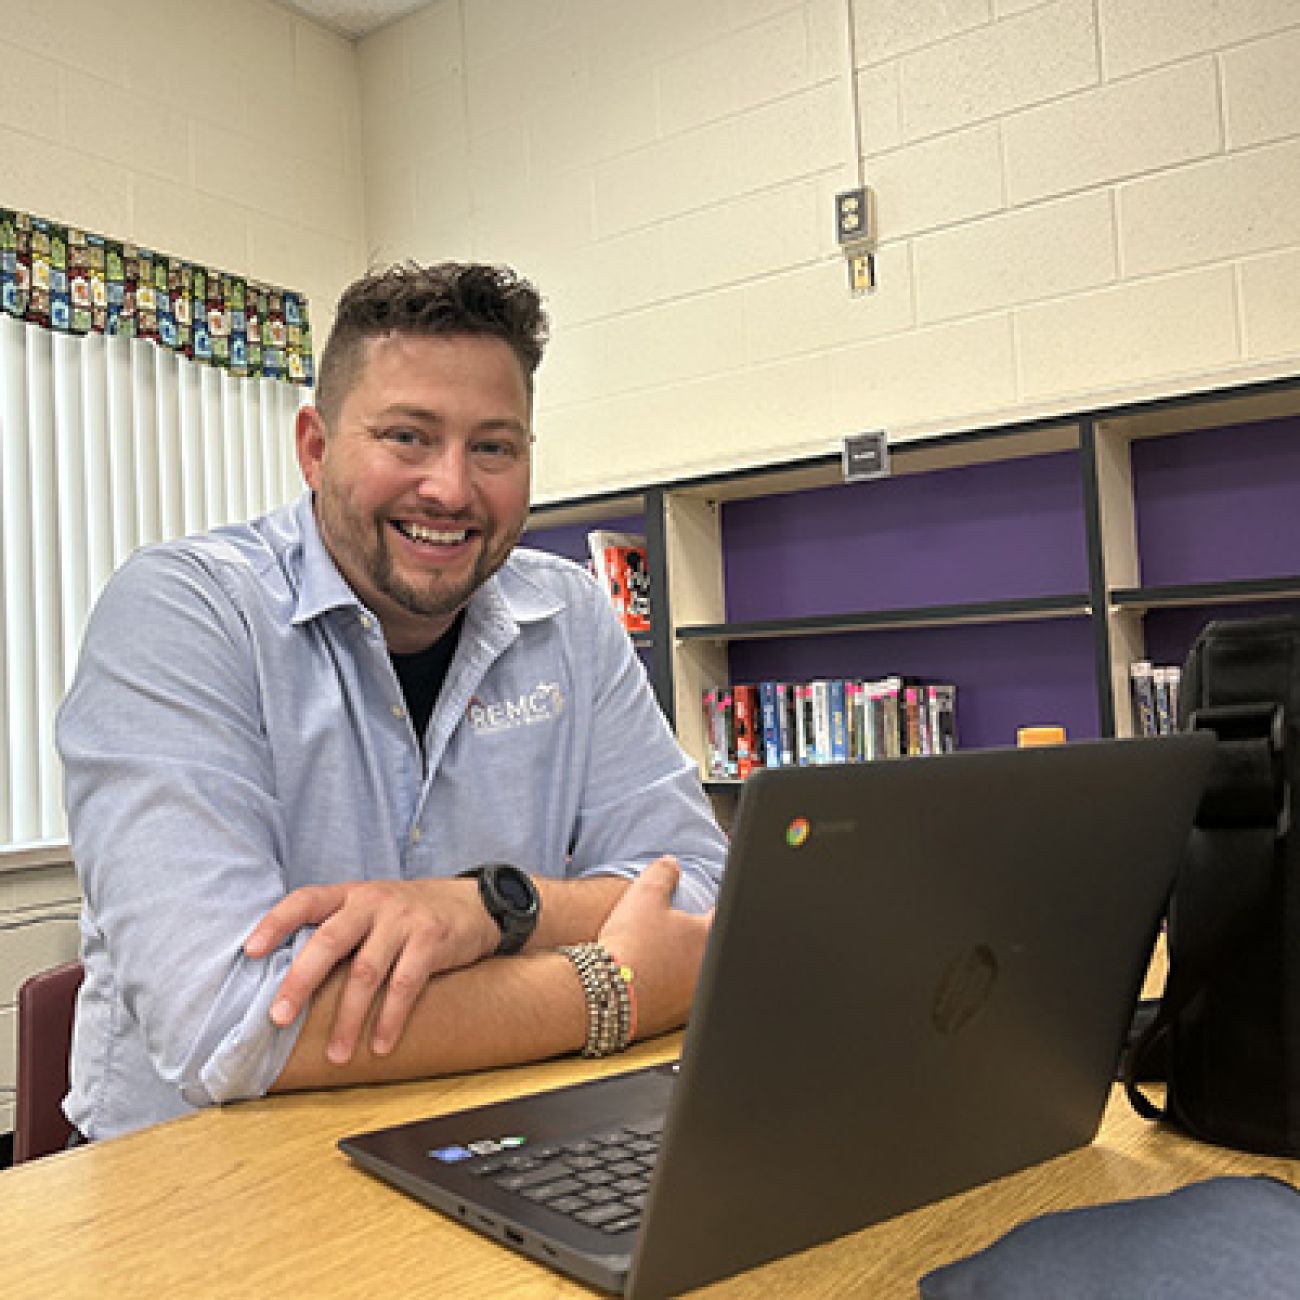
pixel 75 282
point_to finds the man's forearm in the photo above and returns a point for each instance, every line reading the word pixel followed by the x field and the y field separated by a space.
pixel 507 1010
pixel 573 910
pixel 503 1011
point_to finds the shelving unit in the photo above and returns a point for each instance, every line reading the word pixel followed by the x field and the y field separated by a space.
pixel 1201 520
pixel 562 529
pixel 1030 563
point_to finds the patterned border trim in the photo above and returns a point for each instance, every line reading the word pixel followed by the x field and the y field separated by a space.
pixel 77 283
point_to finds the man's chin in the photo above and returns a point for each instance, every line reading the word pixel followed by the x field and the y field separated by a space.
pixel 438 595
pixel 428 605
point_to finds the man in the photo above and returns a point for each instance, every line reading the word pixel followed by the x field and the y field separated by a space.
pixel 286 741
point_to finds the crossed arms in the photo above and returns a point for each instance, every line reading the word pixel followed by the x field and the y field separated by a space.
pixel 397 981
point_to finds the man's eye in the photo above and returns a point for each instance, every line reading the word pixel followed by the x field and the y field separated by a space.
pixel 404 442
pixel 493 449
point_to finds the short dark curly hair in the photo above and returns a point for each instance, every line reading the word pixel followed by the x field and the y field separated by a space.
pixel 445 298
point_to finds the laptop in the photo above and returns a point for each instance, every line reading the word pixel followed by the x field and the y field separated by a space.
pixel 919 977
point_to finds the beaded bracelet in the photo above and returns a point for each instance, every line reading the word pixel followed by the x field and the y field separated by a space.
pixel 611 999
pixel 624 976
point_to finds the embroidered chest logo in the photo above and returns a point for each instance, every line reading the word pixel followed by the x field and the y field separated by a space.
pixel 544 703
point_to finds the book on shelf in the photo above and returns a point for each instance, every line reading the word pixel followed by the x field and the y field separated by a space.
pixel 768 707
pixel 715 735
pixel 942 699
pixel 748 724
pixel 826 720
pixel 619 562
pixel 821 721
pixel 886 722
pixel 838 719
pixel 1144 697
pixel 853 720
pixel 1155 697
pixel 913 737
pixel 1165 679
pixel 785 721
pixel 803 742
pixel 722 734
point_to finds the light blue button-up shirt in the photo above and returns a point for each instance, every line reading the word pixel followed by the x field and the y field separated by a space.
pixel 236 730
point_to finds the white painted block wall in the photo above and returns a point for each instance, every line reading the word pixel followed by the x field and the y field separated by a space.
pixel 38 929
pixel 1078 201
pixel 227 134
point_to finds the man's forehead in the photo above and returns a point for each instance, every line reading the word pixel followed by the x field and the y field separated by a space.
pixel 408 344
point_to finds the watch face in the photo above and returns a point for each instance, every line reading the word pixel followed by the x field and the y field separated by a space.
pixel 514 889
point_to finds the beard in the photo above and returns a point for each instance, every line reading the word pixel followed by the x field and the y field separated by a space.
pixel 361 547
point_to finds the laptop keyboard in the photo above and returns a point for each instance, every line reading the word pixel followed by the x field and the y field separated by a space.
pixel 600 1181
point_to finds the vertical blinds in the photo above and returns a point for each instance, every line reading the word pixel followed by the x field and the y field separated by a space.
pixel 106 443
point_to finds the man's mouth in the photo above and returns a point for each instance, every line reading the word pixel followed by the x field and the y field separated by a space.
pixel 428 536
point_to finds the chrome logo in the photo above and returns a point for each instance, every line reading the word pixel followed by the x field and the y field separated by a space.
pixel 797 832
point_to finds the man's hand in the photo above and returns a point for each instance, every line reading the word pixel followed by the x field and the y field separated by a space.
pixel 394 934
pixel 663 947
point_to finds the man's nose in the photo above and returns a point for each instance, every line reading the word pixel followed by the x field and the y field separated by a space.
pixel 445 477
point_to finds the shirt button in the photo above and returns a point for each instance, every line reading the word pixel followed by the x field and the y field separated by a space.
pixel 398 711
pixel 415 835
pixel 366 622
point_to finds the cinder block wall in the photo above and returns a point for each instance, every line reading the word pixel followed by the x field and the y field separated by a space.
pixel 1078 200
pixel 38 929
pixel 219 133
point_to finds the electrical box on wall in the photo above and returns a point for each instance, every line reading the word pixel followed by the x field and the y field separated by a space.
pixel 853 216
pixel 862 272
pixel 855 228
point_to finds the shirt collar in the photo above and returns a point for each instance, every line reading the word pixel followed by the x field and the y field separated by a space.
pixel 321 587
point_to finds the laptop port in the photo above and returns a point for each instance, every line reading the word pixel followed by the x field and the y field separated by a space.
pixel 515 1238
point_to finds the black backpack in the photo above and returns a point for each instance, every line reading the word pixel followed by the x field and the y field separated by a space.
pixel 1225 1035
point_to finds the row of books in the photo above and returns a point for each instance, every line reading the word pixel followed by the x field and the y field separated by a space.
pixel 619 562
pixel 1155 697
pixel 830 720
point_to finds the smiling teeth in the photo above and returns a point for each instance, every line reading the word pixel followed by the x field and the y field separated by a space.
pixel 419 533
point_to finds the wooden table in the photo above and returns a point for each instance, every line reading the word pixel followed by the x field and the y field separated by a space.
pixel 254 1200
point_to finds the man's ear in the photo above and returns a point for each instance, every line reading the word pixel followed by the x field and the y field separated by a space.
pixel 309 439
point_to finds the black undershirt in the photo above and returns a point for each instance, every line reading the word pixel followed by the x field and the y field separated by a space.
pixel 422 674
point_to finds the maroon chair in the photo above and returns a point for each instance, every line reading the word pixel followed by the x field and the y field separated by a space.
pixel 45 1007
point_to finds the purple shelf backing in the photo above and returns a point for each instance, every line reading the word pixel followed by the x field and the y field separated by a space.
pixel 1219 504
pixel 983 532
pixel 570 540
pixel 1007 675
pixel 1169 633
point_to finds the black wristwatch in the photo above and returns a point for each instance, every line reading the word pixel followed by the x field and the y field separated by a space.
pixel 511 900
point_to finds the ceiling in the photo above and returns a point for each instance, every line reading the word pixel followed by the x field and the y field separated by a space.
pixel 353 18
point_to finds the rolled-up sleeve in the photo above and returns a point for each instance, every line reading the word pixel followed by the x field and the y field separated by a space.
pixel 642 796
pixel 177 831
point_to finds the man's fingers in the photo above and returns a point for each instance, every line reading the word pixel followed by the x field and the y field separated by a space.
pixel 406 981
pixel 331 944
pixel 307 906
pixel 660 877
pixel 390 935
pixel 366 973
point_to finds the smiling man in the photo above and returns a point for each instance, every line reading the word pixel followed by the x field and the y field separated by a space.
pixel 360 791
